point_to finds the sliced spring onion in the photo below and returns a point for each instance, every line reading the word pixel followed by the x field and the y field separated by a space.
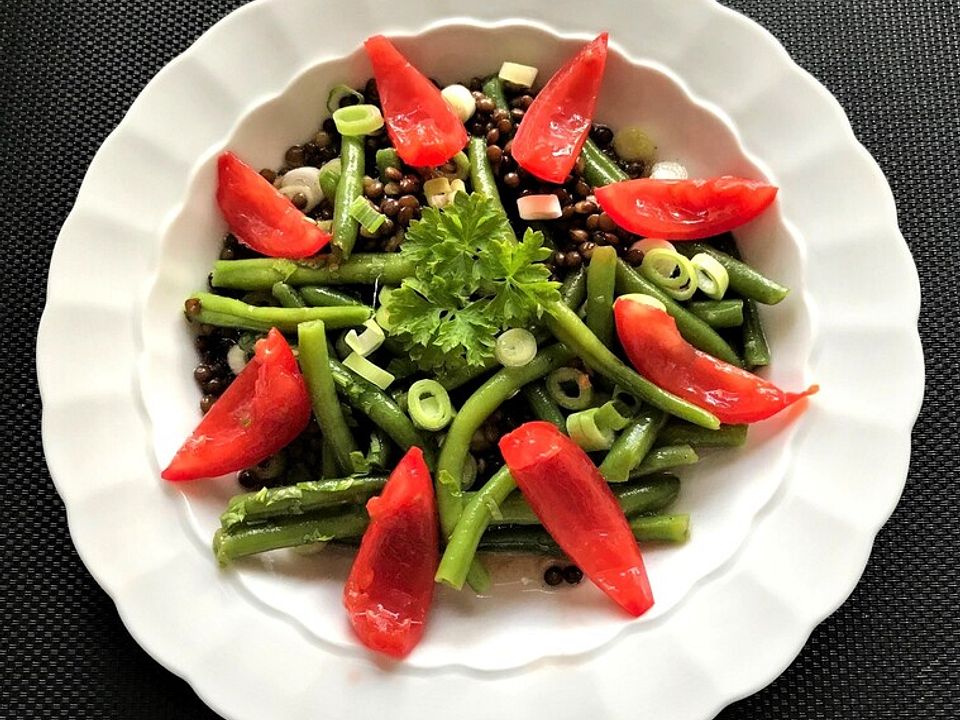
pixel 462 163
pixel 364 213
pixel 437 189
pixel 304 180
pixel 539 207
pixel 330 177
pixel 457 186
pixel 517 74
pixel 382 316
pixel 387 158
pixel 562 377
pixel 461 100
pixel 338 93
pixel 515 348
pixel 609 415
pixel 429 405
pixel 671 272
pixel 648 244
pixel 365 343
pixel 305 175
pixel 627 404
pixel 358 119
pixel 583 429
pixel 236 359
pixel 634 145
pixel 712 277
pixel 644 300
pixel 368 371
pixel 668 170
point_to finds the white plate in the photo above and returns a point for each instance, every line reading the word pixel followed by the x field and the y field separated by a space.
pixel 782 529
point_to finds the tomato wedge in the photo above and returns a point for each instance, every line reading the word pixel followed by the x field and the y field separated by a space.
pixel 260 217
pixel 578 509
pixel 554 128
pixel 685 209
pixel 423 127
pixel 650 338
pixel 390 588
pixel 262 411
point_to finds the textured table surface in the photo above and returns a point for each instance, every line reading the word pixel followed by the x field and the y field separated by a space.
pixel 68 71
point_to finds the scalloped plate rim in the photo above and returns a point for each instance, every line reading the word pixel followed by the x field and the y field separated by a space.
pixel 888 202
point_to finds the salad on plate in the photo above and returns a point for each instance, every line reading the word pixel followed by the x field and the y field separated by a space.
pixel 466 320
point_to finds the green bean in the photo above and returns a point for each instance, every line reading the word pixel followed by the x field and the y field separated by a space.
pixel 379 407
pixel 663 458
pixel 543 406
pixel 598 168
pixel 481 172
pixel 458 557
pixel 226 312
pixel 478 407
pixel 317 296
pixel 601 279
pixel 493 89
pixel 573 291
pixel 570 330
pixel 695 330
pixel 680 433
pixel 262 273
pixel 287 296
pixel 349 188
pixel 743 279
pixel 230 545
pixel 653 495
pixel 632 445
pixel 718 313
pixel 756 352
pixel 527 540
pixel 304 497
pixel 458 378
pixel 387 158
pixel 378 456
pixel 315 364
pixel 328 461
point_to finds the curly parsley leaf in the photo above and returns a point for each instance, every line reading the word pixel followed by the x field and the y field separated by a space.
pixel 472 280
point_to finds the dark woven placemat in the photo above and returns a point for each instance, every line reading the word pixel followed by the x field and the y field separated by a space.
pixel 67 73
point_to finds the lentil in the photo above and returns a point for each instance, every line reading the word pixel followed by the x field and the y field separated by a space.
pixel 294 156
pixel 553 575
pixel 602 135
pixel 390 207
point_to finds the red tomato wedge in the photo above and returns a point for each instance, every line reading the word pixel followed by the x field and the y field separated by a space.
pixel 652 342
pixel 390 588
pixel 684 209
pixel 555 126
pixel 423 127
pixel 578 509
pixel 260 217
pixel 262 411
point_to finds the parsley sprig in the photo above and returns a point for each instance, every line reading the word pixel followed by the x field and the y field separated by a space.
pixel 472 280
